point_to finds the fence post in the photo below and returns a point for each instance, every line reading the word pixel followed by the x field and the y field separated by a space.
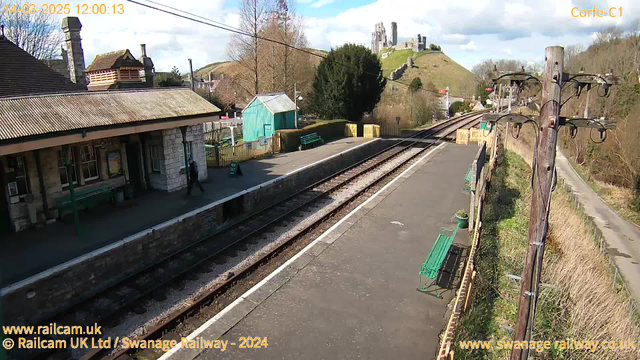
pixel 216 151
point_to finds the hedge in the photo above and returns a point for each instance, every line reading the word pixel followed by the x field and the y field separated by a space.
pixel 328 130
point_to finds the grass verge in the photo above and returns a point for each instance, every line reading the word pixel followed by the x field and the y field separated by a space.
pixel 583 305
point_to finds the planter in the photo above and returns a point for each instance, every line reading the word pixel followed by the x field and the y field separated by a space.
pixel 463 222
pixel 129 191
pixel 119 196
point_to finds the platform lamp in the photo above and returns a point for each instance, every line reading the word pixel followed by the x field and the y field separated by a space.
pixel 66 160
pixel 296 96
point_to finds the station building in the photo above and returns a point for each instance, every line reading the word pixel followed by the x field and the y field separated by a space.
pixel 119 139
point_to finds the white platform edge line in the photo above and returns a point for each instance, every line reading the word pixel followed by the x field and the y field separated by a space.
pixel 22 283
pixel 257 286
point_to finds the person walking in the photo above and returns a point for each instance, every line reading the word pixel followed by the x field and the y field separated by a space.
pixel 193 176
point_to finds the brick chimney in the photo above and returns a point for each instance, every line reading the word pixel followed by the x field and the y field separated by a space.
pixel 71 27
pixel 149 71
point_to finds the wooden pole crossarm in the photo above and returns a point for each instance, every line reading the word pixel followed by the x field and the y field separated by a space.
pixel 582 78
pixel 595 123
pixel 512 118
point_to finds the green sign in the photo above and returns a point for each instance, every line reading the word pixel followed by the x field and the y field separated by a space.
pixel 234 170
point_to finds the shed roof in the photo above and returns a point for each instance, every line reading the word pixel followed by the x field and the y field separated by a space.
pixel 275 102
pixel 44 114
pixel 114 60
pixel 23 74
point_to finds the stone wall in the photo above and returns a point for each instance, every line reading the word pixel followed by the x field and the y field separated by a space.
pixel 171 176
pixel 43 295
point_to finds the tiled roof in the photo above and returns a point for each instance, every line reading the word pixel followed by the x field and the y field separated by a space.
pixel 276 102
pixel 22 74
pixel 44 114
pixel 58 65
pixel 113 60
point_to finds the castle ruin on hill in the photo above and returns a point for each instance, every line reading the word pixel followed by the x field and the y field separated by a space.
pixel 379 40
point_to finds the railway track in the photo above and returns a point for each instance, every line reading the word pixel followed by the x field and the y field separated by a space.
pixel 335 193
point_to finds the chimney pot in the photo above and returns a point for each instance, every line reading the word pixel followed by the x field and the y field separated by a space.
pixel 143 49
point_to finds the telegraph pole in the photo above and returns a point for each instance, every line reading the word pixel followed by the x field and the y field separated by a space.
pixel 543 174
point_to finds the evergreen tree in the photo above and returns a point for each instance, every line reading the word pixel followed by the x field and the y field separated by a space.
pixel 348 83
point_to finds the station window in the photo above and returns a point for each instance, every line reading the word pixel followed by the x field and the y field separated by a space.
pixel 19 186
pixel 64 179
pixel 181 152
pixel 156 157
pixel 88 162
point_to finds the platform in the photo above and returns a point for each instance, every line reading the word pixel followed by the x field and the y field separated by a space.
pixel 352 292
pixel 31 251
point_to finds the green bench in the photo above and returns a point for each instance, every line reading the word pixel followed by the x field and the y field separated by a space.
pixel 467 179
pixel 438 253
pixel 310 140
pixel 85 198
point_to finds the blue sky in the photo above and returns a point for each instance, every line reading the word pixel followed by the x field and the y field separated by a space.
pixel 467 30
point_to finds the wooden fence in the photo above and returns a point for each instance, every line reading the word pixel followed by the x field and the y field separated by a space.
pixel 221 156
pixel 481 177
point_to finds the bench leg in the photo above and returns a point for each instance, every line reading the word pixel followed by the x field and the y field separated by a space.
pixel 427 290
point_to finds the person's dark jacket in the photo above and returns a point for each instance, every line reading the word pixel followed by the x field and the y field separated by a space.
pixel 193 169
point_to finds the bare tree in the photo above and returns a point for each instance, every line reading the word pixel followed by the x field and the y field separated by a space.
pixel 34 32
pixel 245 49
pixel 286 66
pixel 570 52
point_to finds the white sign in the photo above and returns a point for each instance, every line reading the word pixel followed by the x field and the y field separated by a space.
pixel 263 141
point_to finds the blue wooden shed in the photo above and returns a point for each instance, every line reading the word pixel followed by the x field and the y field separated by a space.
pixel 267 113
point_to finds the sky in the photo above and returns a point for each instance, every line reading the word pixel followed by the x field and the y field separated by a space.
pixel 468 31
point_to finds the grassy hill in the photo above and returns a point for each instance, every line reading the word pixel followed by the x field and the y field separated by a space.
pixel 434 67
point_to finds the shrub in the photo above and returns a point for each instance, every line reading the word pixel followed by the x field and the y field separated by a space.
pixel 459 106
pixel 328 130
pixel 434 47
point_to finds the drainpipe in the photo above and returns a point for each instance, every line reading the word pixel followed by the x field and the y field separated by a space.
pixel 43 190
pixel 183 129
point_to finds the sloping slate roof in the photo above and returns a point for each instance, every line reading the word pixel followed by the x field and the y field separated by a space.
pixel 113 60
pixel 22 74
pixel 37 115
pixel 276 103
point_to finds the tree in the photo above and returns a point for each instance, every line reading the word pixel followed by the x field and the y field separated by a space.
pixel 246 49
pixel 459 106
pixel 172 78
pixel 281 66
pixel 415 85
pixel 348 83
pixel 34 32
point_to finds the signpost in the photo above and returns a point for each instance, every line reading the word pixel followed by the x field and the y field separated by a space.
pixel 234 169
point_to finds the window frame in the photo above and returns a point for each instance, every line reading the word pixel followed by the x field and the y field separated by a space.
pixel 156 158
pixel 189 152
pixel 73 166
pixel 93 152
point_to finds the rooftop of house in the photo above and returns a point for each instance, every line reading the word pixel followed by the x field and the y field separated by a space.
pixel 114 60
pixel 29 116
pixel 275 102
pixel 22 74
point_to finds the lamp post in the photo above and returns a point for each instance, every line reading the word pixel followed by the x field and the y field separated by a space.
pixel 296 97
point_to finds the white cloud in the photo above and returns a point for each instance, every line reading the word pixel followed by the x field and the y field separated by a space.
pixel 471 46
pixel 468 30
pixel 507 52
pixel 321 3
